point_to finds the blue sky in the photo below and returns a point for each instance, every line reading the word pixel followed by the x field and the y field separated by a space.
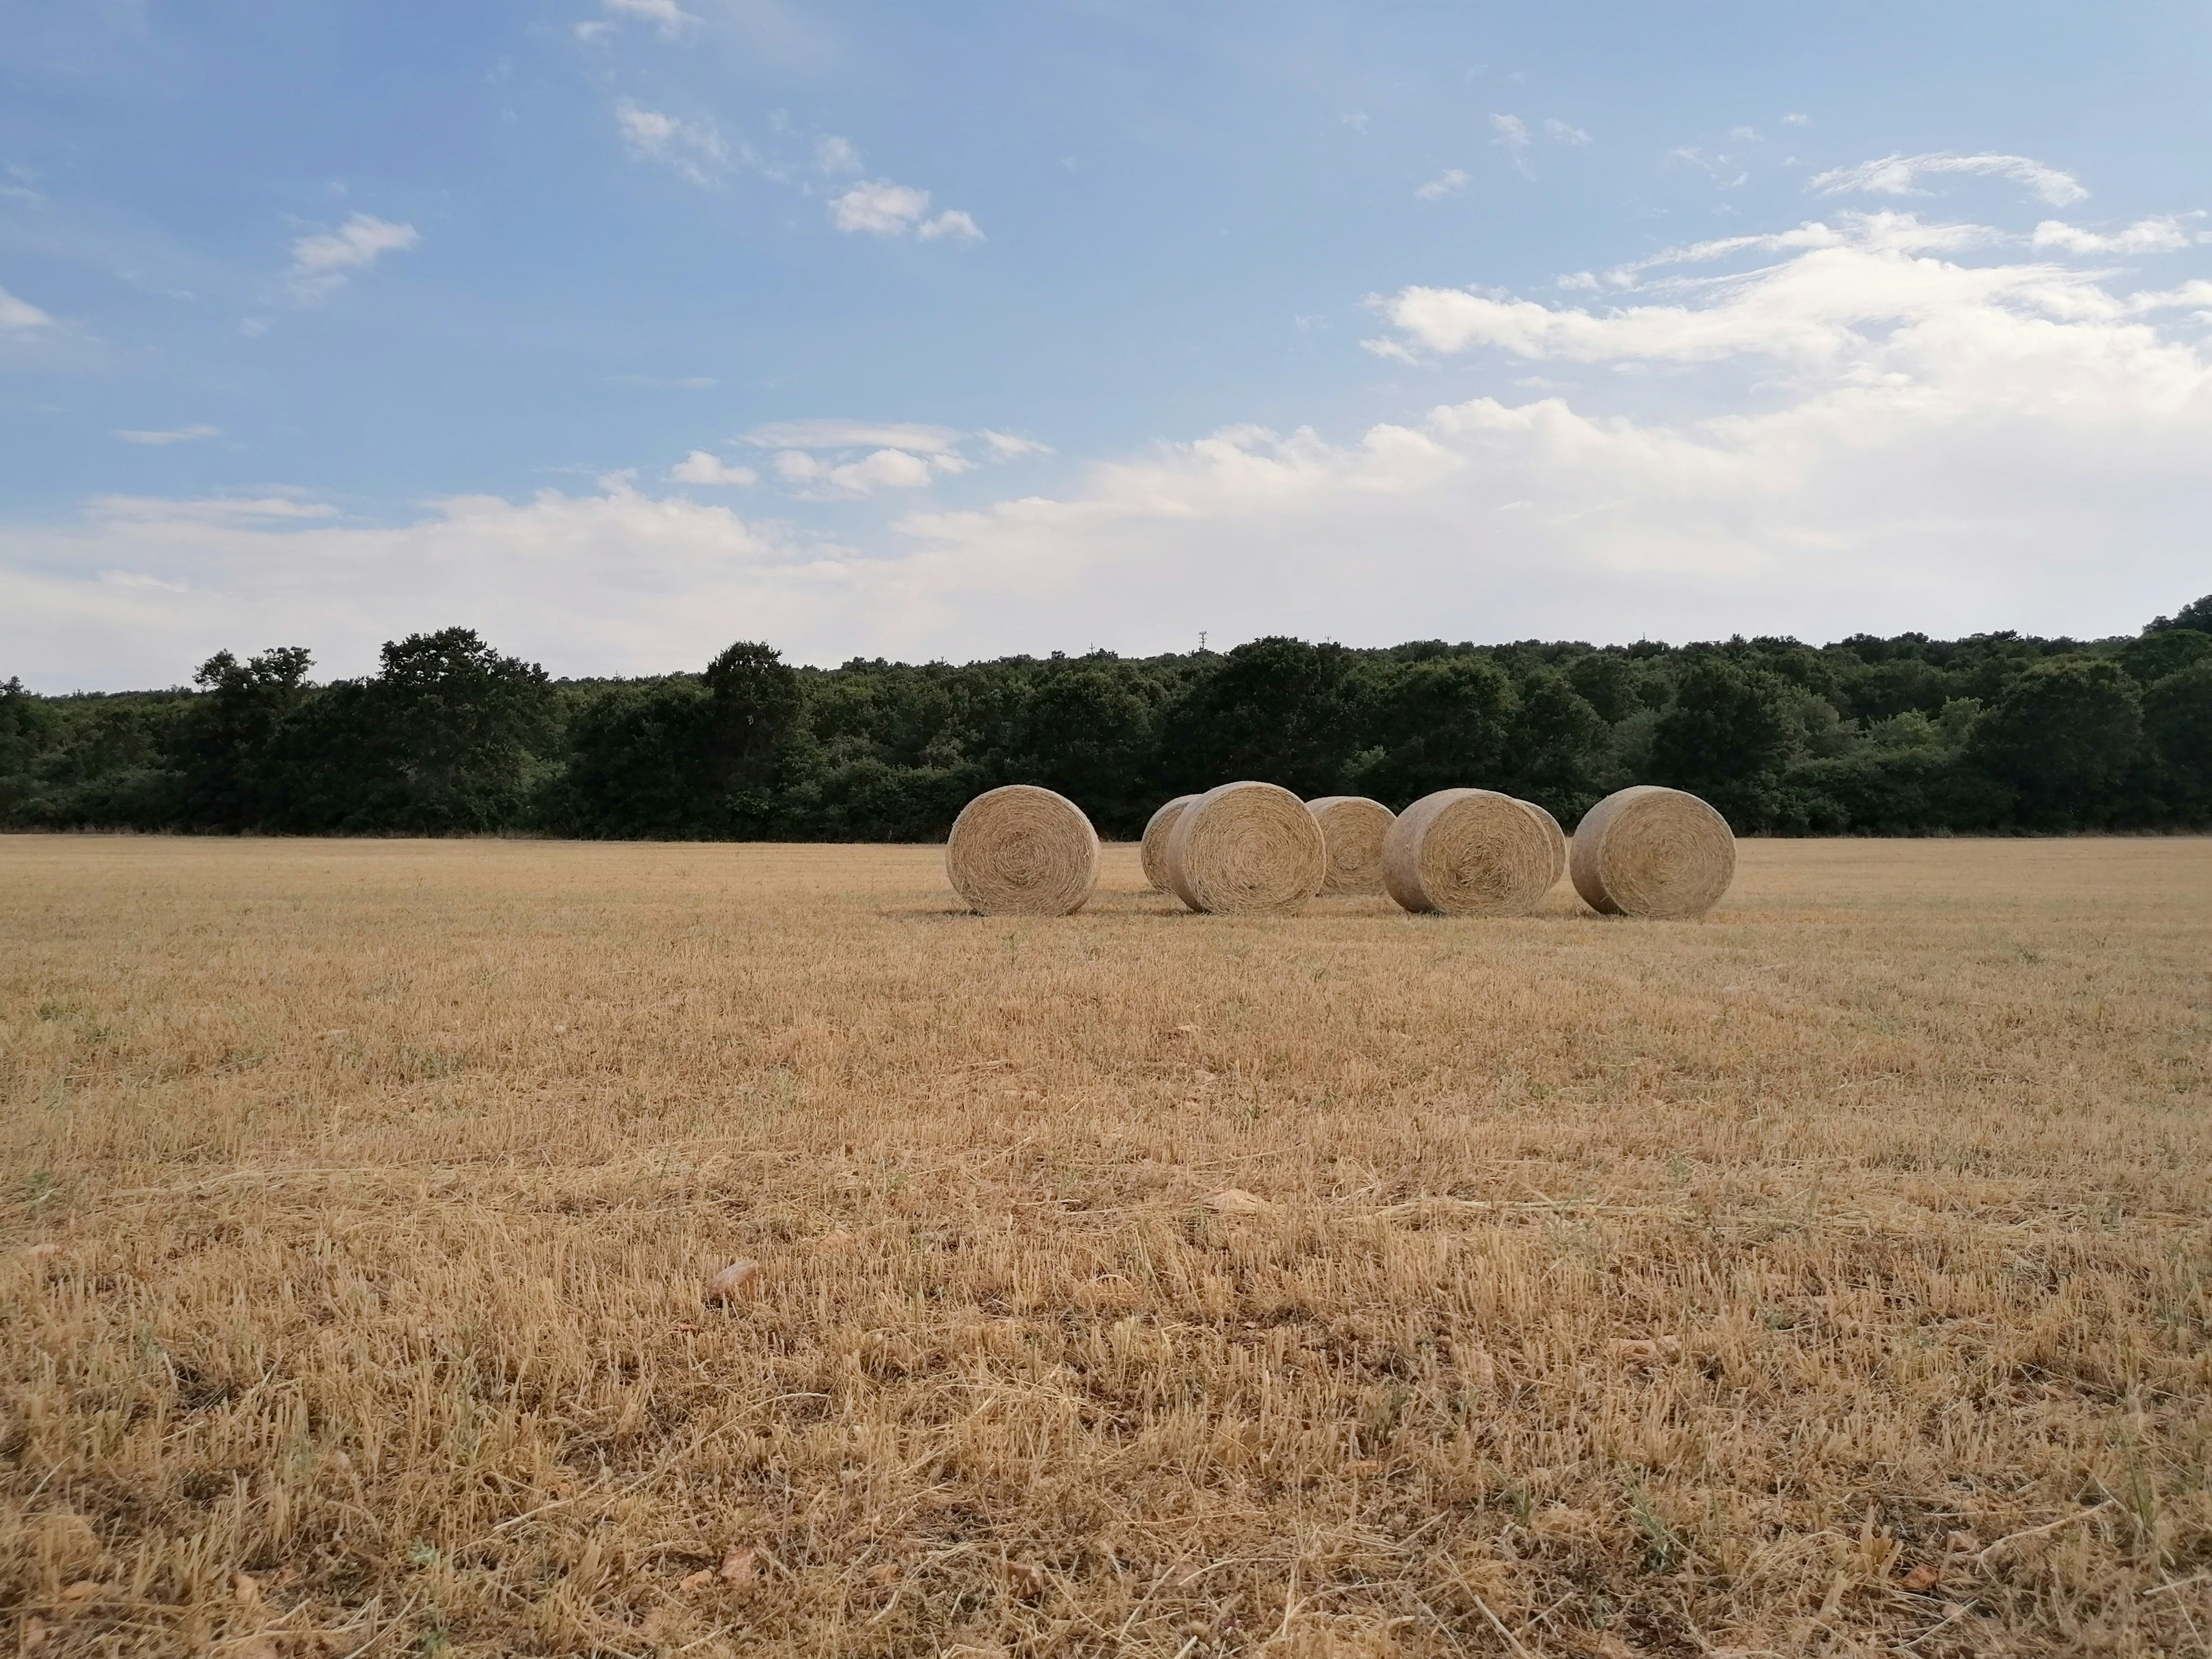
pixel 619 329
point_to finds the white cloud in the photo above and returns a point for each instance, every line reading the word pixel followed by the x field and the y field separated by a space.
pixel 882 469
pixel 183 434
pixel 700 468
pixel 2162 234
pixel 216 509
pixel 951 222
pixel 836 154
pixel 20 313
pixel 137 579
pixel 1560 133
pixel 881 208
pixel 1510 132
pixel 1442 185
pixel 1863 433
pixel 856 435
pixel 1796 120
pixel 1725 171
pixel 694 150
pixel 1899 175
pixel 670 19
pixel 1004 445
pixel 324 262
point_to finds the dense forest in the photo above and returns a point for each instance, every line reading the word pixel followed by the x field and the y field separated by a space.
pixel 1901 736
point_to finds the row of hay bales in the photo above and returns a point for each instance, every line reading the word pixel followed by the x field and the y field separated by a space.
pixel 1255 849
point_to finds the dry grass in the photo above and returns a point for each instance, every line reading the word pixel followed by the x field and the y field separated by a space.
pixel 1624 1287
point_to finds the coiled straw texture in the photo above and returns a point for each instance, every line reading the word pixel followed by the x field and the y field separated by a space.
pixel 1558 842
pixel 1467 853
pixel 1246 849
pixel 1353 828
pixel 1021 851
pixel 1154 852
pixel 1652 852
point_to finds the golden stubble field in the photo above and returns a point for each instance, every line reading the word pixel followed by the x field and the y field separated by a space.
pixel 1827 1277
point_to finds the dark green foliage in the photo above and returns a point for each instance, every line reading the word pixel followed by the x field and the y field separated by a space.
pixel 2063 734
pixel 2177 716
pixel 2164 650
pixel 2195 616
pixel 1728 738
pixel 1905 735
pixel 1277 710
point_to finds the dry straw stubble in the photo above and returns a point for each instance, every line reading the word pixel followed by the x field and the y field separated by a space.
pixel 1652 852
pixel 1154 852
pixel 1353 827
pixel 1246 849
pixel 1467 853
pixel 1023 851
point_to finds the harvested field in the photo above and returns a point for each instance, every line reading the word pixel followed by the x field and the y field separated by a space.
pixel 1832 1275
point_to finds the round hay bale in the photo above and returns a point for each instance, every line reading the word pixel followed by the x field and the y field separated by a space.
pixel 1246 849
pixel 1467 853
pixel 1353 828
pixel 1558 842
pixel 1021 851
pixel 1652 852
pixel 1154 853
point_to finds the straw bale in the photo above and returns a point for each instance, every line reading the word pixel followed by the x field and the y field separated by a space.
pixel 1467 853
pixel 1652 852
pixel 1021 851
pixel 1558 842
pixel 1154 853
pixel 1246 849
pixel 1353 828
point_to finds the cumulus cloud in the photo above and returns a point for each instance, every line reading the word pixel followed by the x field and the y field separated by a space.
pixel 324 262
pixel 693 151
pixel 1886 425
pixel 20 313
pixel 1901 175
pixel 2162 234
pixel 183 434
pixel 700 467
pixel 880 207
pixel 1450 179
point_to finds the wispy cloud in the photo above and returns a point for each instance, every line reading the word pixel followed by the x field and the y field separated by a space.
pixel 183 434
pixel 325 261
pixel 21 313
pixel 220 509
pixel 1899 175
pixel 693 151
pixel 880 207
pixel 667 18
pixel 1560 133
pixel 1450 179
pixel 834 155
pixel 856 435
pixel 1511 133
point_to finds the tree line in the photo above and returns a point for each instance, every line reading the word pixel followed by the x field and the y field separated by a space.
pixel 1899 735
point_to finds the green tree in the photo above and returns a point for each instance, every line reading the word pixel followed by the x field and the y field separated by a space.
pixel 2062 733
pixel 227 744
pixel 1445 724
pixel 1553 747
pixel 754 703
pixel 2177 716
pixel 2163 651
pixel 1727 737
pixel 2196 615
pixel 27 730
pixel 1277 710
pixel 1087 731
